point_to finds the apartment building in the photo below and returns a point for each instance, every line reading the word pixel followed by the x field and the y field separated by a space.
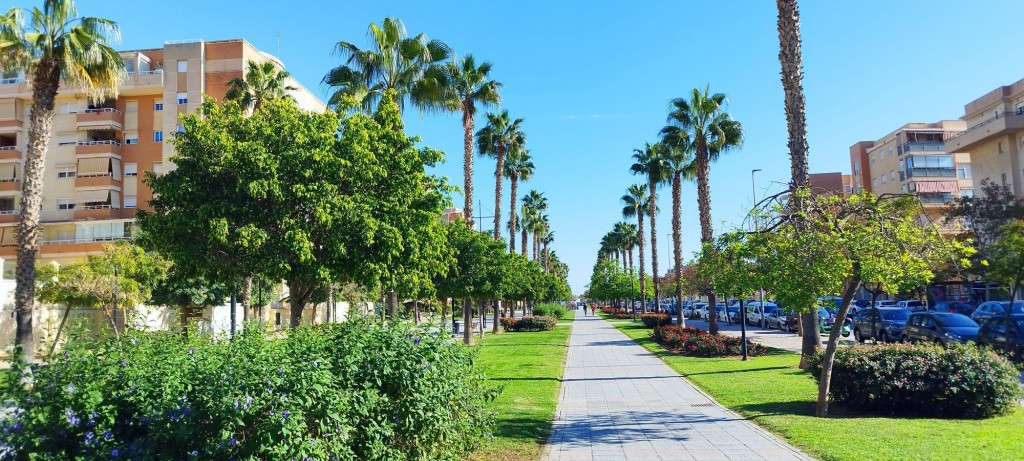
pixel 994 136
pixel 831 184
pixel 914 159
pixel 99 149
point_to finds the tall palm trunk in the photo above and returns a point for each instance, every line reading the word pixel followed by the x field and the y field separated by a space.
pixel 512 214
pixel 525 250
pixel 706 231
pixel 547 258
pixel 677 239
pixel 45 83
pixel 640 242
pixel 497 190
pixel 652 205
pixel 467 160
pixel 791 61
pixel 536 247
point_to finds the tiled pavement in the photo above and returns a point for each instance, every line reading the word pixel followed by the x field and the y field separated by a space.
pixel 620 402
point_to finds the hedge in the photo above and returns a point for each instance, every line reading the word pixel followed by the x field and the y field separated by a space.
pixel 528 323
pixel 962 381
pixel 549 310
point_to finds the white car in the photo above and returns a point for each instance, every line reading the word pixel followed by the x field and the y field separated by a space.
pixel 754 311
pixel 701 309
pixel 913 304
pixel 885 303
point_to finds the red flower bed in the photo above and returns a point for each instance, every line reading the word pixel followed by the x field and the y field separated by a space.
pixel 655 320
pixel 617 312
pixel 699 343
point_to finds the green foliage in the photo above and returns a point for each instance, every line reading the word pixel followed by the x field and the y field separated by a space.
pixel 962 381
pixel 732 262
pixel 610 282
pixel 91 283
pixel 344 391
pixel 699 343
pixel 655 320
pixel 983 216
pixel 549 310
pixel 529 323
pixel 1006 263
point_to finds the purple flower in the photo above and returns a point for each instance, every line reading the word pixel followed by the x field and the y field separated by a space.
pixel 284 415
pixel 232 442
pixel 417 341
pixel 72 419
pixel 135 341
pixel 236 404
pixel 108 435
pixel 123 362
pixel 90 438
pixel 71 389
pixel 194 453
pixel 248 401
pixel 114 453
pixel 191 350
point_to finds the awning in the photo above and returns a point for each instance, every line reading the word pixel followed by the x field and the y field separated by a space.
pixel 93 196
pixel 7 170
pixel 115 168
pixel 8 236
pixel 927 187
pixel 93 166
pixel 115 200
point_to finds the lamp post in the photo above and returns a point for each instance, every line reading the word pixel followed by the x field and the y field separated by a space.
pixel 757 227
pixel 632 302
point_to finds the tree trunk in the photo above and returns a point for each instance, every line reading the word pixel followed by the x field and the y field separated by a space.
pixel 245 298
pixel 299 293
pixel 467 321
pixel 483 317
pixel 467 159
pixel 535 247
pixel 56 337
pixel 416 311
pixel 498 170
pixel 677 241
pixel 392 305
pixel 652 206
pixel 547 258
pixel 45 82
pixel 791 60
pixel 640 242
pixel 707 234
pixel 497 308
pixel 525 251
pixel 811 338
pixel 833 340
pixel 512 219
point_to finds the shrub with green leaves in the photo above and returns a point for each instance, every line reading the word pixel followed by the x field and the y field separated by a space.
pixel 961 381
pixel 549 310
pixel 655 320
pixel 528 323
pixel 348 391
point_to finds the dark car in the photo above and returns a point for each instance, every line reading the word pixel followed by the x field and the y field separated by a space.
pixel 1002 333
pixel 956 307
pixel 940 327
pixel 991 309
pixel 827 319
pixel 884 324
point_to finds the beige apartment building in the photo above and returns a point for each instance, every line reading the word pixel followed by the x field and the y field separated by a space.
pixel 99 149
pixel 914 159
pixel 994 136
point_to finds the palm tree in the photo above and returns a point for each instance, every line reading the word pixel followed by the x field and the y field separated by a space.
pixel 628 240
pixel 57 46
pixel 679 161
pixel 791 60
pixel 540 227
pixel 396 61
pixel 518 167
pixel 701 126
pixel 494 140
pixel 262 82
pixel 463 85
pixel 546 239
pixel 650 163
pixel 527 214
pixel 535 219
pixel 635 204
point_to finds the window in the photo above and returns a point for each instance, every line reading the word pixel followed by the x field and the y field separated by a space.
pixel 874 182
pixel 131 138
pixel 131 106
pixel 847 188
pixel 1000 145
pixel 158 104
pixel 129 201
pixel 963 172
pixel 872 159
pixel 1004 180
pixel 883 179
pixel 180 128
pixel 131 169
pixel 158 168
pixel 890 152
pixel 65 204
pixel 158 136
pixel 277 318
pixel 856 167
pixel 892 175
pixel 68 108
pixel 182 98
pixel 65 171
pixel 912 187
pixel 182 66
pixel 967 192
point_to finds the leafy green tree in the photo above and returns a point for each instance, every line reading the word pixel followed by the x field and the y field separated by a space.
pixel 983 217
pixel 395 62
pixel 501 135
pixel 477 258
pixel 650 163
pixel 1006 262
pixel 57 46
pixel 700 125
pixel 635 204
pixel 518 167
pixel 262 81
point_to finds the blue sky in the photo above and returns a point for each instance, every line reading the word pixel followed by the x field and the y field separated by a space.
pixel 593 81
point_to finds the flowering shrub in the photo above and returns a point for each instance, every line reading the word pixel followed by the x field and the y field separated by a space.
pixel 528 323
pixel 961 381
pixel 549 310
pixel 655 320
pixel 699 343
pixel 344 391
pixel 617 312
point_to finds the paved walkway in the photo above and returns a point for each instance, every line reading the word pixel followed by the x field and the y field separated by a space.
pixel 620 402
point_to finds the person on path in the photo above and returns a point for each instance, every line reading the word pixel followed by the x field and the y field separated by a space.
pixel 585 310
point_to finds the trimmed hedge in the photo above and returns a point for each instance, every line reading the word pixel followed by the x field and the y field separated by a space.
pixel 528 323
pixel 549 310
pixel 961 381
pixel 656 320
pixel 699 343
pixel 350 391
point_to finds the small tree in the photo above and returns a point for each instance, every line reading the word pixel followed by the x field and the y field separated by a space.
pixel 1006 263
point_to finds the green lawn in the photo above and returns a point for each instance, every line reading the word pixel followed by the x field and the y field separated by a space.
pixel 530 367
pixel 775 394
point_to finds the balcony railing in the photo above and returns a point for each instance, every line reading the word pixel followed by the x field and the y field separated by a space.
pixel 86 240
pixel 101 110
pixel 105 206
pixel 956 134
pixel 10 81
pixel 8 212
pixel 923 146
pixel 99 143
pixel 935 199
pixel 3 148
pixel 930 173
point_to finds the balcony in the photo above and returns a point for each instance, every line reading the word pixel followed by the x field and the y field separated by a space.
pixel 940 199
pixel 105 180
pixel 10 185
pixel 96 212
pixel 930 173
pixel 1000 125
pixel 14 86
pixel 9 216
pixel 103 118
pixel 10 153
pixel 921 146
pixel 143 79
pixel 98 147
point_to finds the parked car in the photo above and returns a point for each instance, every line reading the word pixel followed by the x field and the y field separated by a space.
pixel 912 304
pixel 957 307
pixel 792 322
pixel 733 314
pixel 1003 333
pixel 991 309
pixel 885 303
pixel 701 309
pixel 687 309
pixel 753 311
pixel 940 327
pixel 881 323
pixel 827 320
pixel 777 318
pixel 719 310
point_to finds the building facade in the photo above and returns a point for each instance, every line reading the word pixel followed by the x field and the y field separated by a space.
pixel 915 159
pixel 99 150
pixel 993 133
pixel 831 184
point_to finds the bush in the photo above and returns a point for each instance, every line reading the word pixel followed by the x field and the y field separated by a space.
pixel 343 391
pixel 699 343
pixel 549 310
pixel 535 323
pixel 617 312
pixel 655 320
pixel 961 381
